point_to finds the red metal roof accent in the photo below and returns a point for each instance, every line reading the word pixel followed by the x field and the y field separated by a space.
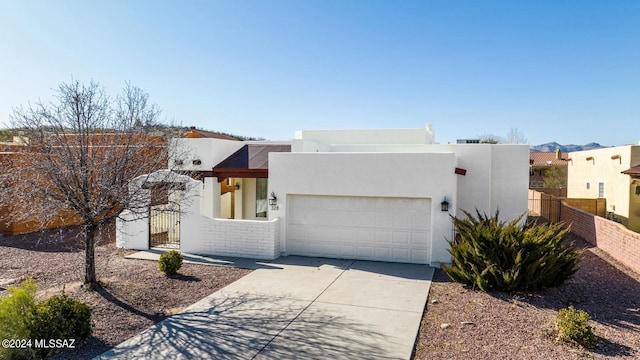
pixel 634 171
pixel 250 161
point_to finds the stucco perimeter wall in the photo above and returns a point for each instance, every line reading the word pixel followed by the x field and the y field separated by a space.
pixel 132 232
pixel 619 242
pixel 204 235
pixel 394 175
pixel 200 234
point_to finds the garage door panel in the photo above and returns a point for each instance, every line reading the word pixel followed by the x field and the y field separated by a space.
pixel 364 252
pixel 364 236
pixel 402 239
pixel 381 253
pixel 362 219
pixel 383 219
pixel 383 237
pixel 419 240
pixel 401 255
pixel 367 228
pixel 419 256
pixel 401 221
pixel 347 250
pixel 417 222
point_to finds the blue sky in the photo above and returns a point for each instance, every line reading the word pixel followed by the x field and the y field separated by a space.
pixel 566 71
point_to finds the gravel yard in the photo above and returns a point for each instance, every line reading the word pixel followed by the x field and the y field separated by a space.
pixel 481 325
pixel 520 326
pixel 134 293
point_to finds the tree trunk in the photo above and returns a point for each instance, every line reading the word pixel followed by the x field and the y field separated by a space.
pixel 90 257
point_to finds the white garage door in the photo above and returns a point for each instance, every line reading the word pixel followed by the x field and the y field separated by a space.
pixel 365 228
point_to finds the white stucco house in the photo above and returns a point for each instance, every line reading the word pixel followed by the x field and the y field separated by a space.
pixel 383 195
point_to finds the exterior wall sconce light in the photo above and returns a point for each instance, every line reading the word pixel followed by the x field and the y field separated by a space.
pixel 237 186
pixel 273 201
pixel 638 190
pixel 444 205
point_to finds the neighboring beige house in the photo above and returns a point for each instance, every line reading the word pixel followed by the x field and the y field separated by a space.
pixel 611 173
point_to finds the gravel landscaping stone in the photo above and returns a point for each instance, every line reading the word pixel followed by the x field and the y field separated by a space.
pixel 134 293
pixel 522 325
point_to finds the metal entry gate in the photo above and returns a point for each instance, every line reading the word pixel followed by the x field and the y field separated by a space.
pixel 164 226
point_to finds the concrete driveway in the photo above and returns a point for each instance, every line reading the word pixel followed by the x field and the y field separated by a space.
pixel 297 308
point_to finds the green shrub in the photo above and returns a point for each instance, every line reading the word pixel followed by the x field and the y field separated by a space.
pixel 495 255
pixel 16 314
pixel 573 327
pixel 61 317
pixel 21 318
pixel 170 262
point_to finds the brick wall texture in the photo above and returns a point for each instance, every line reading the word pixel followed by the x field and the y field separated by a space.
pixel 619 242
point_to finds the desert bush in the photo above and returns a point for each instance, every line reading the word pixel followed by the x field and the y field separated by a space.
pixel 16 314
pixel 573 327
pixel 495 255
pixel 170 262
pixel 22 318
pixel 61 317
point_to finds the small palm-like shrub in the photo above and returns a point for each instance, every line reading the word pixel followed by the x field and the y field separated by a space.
pixel 495 255
pixel 170 262
pixel 573 327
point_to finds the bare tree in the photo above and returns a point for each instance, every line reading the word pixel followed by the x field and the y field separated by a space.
pixel 490 139
pixel 515 136
pixel 81 151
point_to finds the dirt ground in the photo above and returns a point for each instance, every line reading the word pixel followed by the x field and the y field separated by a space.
pixel 134 294
pixel 521 325
pixel 495 325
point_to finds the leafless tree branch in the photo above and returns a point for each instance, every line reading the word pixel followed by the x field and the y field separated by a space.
pixel 82 151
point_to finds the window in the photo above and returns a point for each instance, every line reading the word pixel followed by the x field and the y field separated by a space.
pixel 261 198
pixel 601 190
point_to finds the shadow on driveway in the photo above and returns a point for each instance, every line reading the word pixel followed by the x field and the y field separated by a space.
pixel 240 327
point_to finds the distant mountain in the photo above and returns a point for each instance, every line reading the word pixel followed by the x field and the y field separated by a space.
pixel 553 146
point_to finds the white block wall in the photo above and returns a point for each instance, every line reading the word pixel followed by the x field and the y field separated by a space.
pixel 238 238
pixel 204 235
